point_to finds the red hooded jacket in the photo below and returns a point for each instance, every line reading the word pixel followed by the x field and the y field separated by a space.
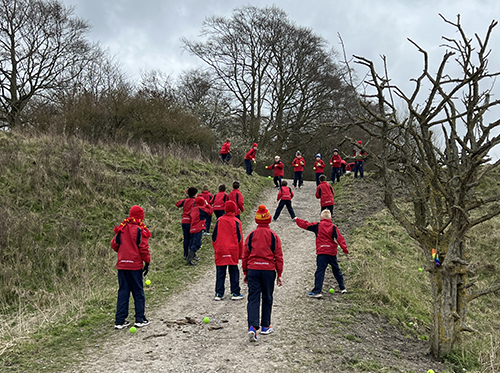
pixel 325 192
pixel 327 236
pixel 237 198
pixel 285 193
pixel 225 148
pixel 209 197
pixel 251 155
pixel 262 251
pixel 319 166
pixel 187 206
pixel 227 240
pixel 278 167
pixel 199 213
pixel 298 164
pixel 336 161
pixel 219 201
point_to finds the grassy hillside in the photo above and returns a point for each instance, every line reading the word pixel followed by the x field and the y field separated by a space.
pixel 60 200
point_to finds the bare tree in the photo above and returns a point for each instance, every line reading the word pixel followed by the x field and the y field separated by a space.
pixel 440 177
pixel 42 48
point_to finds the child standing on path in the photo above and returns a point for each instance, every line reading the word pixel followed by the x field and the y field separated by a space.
pixel 336 163
pixel 327 238
pixel 209 197
pixel 325 192
pixel 279 171
pixel 131 244
pixel 298 164
pixel 187 205
pixel 251 157
pixel 319 167
pixel 262 260
pixel 199 214
pixel 237 198
pixel 220 200
pixel 285 196
pixel 227 241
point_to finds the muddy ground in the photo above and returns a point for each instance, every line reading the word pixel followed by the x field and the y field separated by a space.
pixel 311 335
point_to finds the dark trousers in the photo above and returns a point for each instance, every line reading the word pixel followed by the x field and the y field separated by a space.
pixel 336 173
pixel 187 237
pixel 297 177
pixel 248 165
pixel 208 222
pixel 330 207
pixel 218 213
pixel 277 181
pixel 130 282
pixel 322 261
pixel 282 204
pixel 196 241
pixel 225 158
pixel 317 178
pixel 238 216
pixel 260 283
pixel 358 167
pixel 234 279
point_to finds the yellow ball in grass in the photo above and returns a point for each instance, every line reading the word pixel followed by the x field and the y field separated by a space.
pixel 269 177
pixel 148 282
pixel 420 269
pixel 133 330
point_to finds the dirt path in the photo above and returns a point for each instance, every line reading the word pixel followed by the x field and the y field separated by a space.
pixel 310 335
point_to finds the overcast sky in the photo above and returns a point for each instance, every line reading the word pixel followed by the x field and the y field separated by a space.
pixel 145 35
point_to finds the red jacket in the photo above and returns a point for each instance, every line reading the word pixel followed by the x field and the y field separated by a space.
pixel 225 148
pixel 219 201
pixel 319 166
pixel 131 244
pixel 298 164
pixel 209 197
pixel 325 192
pixel 278 168
pixel 187 205
pixel 327 236
pixel 285 194
pixel 199 214
pixel 227 240
pixel 262 251
pixel 336 161
pixel 237 198
pixel 251 155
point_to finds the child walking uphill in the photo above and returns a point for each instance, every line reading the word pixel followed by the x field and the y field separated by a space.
pixel 220 200
pixel 285 196
pixel 325 192
pixel 187 205
pixel 209 197
pixel 237 198
pixel 327 238
pixel 131 244
pixel 199 214
pixel 262 261
pixel 227 240
pixel 279 171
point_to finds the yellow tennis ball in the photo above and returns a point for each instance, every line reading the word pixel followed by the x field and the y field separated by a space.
pixel 332 291
pixel 133 330
pixel 430 371
pixel 206 320
pixel 148 282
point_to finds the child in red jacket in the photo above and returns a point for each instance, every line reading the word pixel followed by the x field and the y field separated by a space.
pixel 325 192
pixel 225 152
pixel 237 198
pixel 279 171
pixel 319 167
pixel 209 197
pixel 262 262
pixel 187 205
pixel 227 241
pixel 359 156
pixel 131 243
pixel 250 157
pixel 220 200
pixel 298 164
pixel 336 163
pixel 285 196
pixel 199 214
pixel 327 238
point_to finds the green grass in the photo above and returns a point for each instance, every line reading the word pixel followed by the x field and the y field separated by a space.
pixel 60 200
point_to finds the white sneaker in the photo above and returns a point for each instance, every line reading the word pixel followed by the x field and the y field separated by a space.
pixel 141 324
pixel 218 297
pixel 122 326
pixel 236 296
pixel 344 291
pixel 314 295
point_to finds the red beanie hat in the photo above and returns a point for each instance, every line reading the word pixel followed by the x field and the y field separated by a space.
pixel 230 207
pixel 200 201
pixel 262 216
pixel 255 145
pixel 360 143
pixel 136 212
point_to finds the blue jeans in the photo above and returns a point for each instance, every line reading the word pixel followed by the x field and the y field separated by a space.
pixel 260 282
pixel 248 165
pixel 196 241
pixel 358 167
pixel 130 282
pixel 336 173
pixel 282 204
pixel 322 261
pixel 187 238
pixel 234 279
pixel 297 177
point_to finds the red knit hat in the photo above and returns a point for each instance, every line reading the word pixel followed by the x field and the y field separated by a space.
pixel 262 216
pixel 136 212
pixel 360 143
pixel 200 201
pixel 255 145
pixel 230 207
